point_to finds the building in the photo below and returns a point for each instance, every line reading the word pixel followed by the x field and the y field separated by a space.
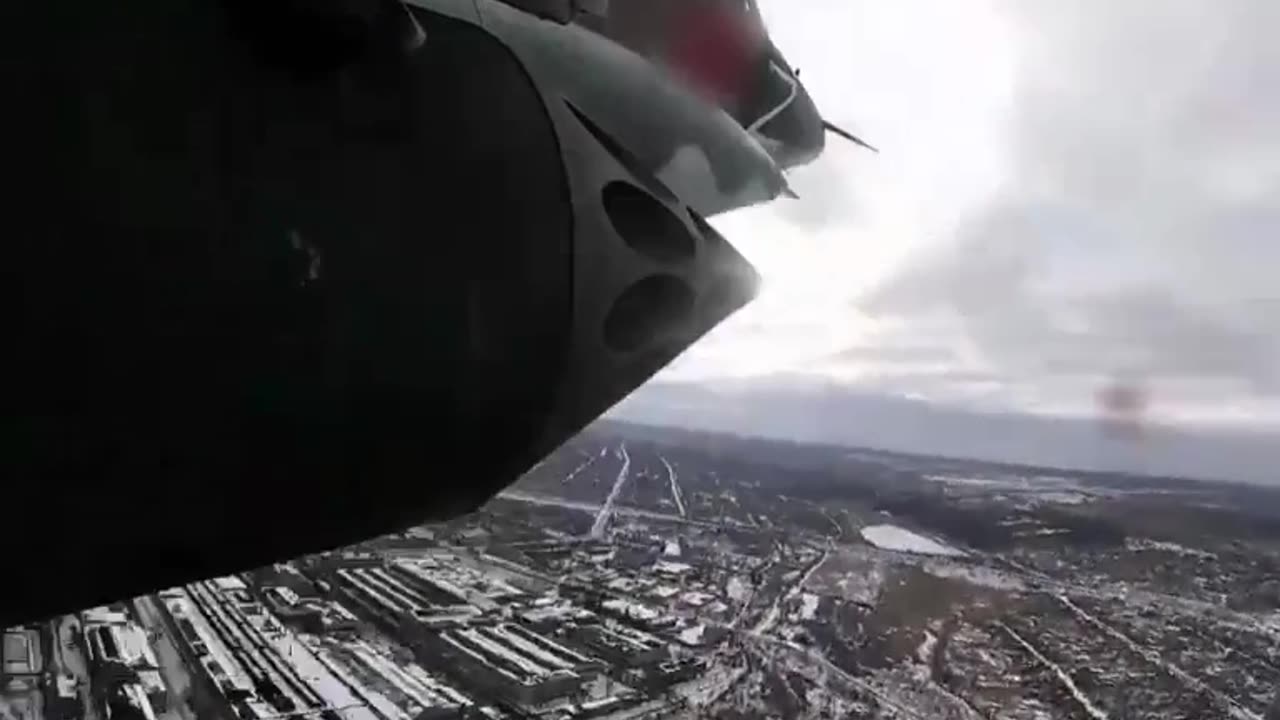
pixel 128 701
pixel 514 662
pixel 21 652
pixel 398 689
pixel 674 671
pixel 260 668
pixel 622 647
pixel 104 615
pixel 444 572
pixel 111 638
pixel 472 536
pixel 637 615
pixel 287 605
pixel 334 618
pixel 153 687
pixel 64 702
pixel 125 643
pixel 400 601
pixel 421 532
pixel 285 575
pixel 549 614
pixel 212 656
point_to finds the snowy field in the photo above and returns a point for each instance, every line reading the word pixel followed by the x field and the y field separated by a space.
pixel 892 537
pixel 975 575
pixel 853 572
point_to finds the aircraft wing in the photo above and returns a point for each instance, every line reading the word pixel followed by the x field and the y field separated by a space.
pixel 287 279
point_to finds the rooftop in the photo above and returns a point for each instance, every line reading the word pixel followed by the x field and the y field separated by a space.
pixel 394 689
pixel 521 654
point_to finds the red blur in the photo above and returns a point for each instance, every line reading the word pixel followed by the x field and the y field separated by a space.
pixel 1123 406
pixel 716 47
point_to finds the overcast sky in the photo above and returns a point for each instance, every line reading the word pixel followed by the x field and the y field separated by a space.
pixel 1069 195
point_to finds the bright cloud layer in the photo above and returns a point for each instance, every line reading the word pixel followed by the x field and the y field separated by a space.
pixel 1067 193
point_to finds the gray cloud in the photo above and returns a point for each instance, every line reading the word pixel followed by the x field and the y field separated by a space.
pixel 895 354
pixel 1132 237
pixel 1138 233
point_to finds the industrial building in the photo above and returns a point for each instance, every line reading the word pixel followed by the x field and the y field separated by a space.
pixel 638 615
pixel 127 701
pixel 407 594
pixel 261 669
pixel 63 703
pixel 21 652
pixel 397 689
pixel 448 573
pixel 551 613
pixel 309 614
pixel 621 646
pixel 118 647
pixel 401 600
pixel 514 662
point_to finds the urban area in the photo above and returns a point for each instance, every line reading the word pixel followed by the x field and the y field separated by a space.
pixel 645 573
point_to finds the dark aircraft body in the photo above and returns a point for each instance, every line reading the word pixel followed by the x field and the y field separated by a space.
pixel 704 157
pixel 772 103
pixel 290 274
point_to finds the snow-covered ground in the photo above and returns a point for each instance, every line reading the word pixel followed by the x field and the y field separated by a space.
pixel 1234 709
pixel 693 635
pixel 808 606
pixel 710 686
pixel 975 575
pixel 892 537
pixel 696 599
pixel 855 572
pixel 1140 544
pixel 1041 532
pixel 974 481
pixel 1063 498
pixel 667 567
pixel 1085 703
pixel 924 653
pixel 1034 490
pixel 864 589
pixel 907 692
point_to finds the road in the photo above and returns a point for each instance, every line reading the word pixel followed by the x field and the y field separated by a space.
pixel 567 504
pixel 574 473
pixel 1233 706
pixel 844 675
pixel 172 668
pixel 771 617
pixel 751 591
pixel 1064 678
pixel 597 528
pixel 675 487
pixel 706 690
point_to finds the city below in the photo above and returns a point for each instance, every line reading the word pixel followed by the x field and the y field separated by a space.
pixel 646 573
